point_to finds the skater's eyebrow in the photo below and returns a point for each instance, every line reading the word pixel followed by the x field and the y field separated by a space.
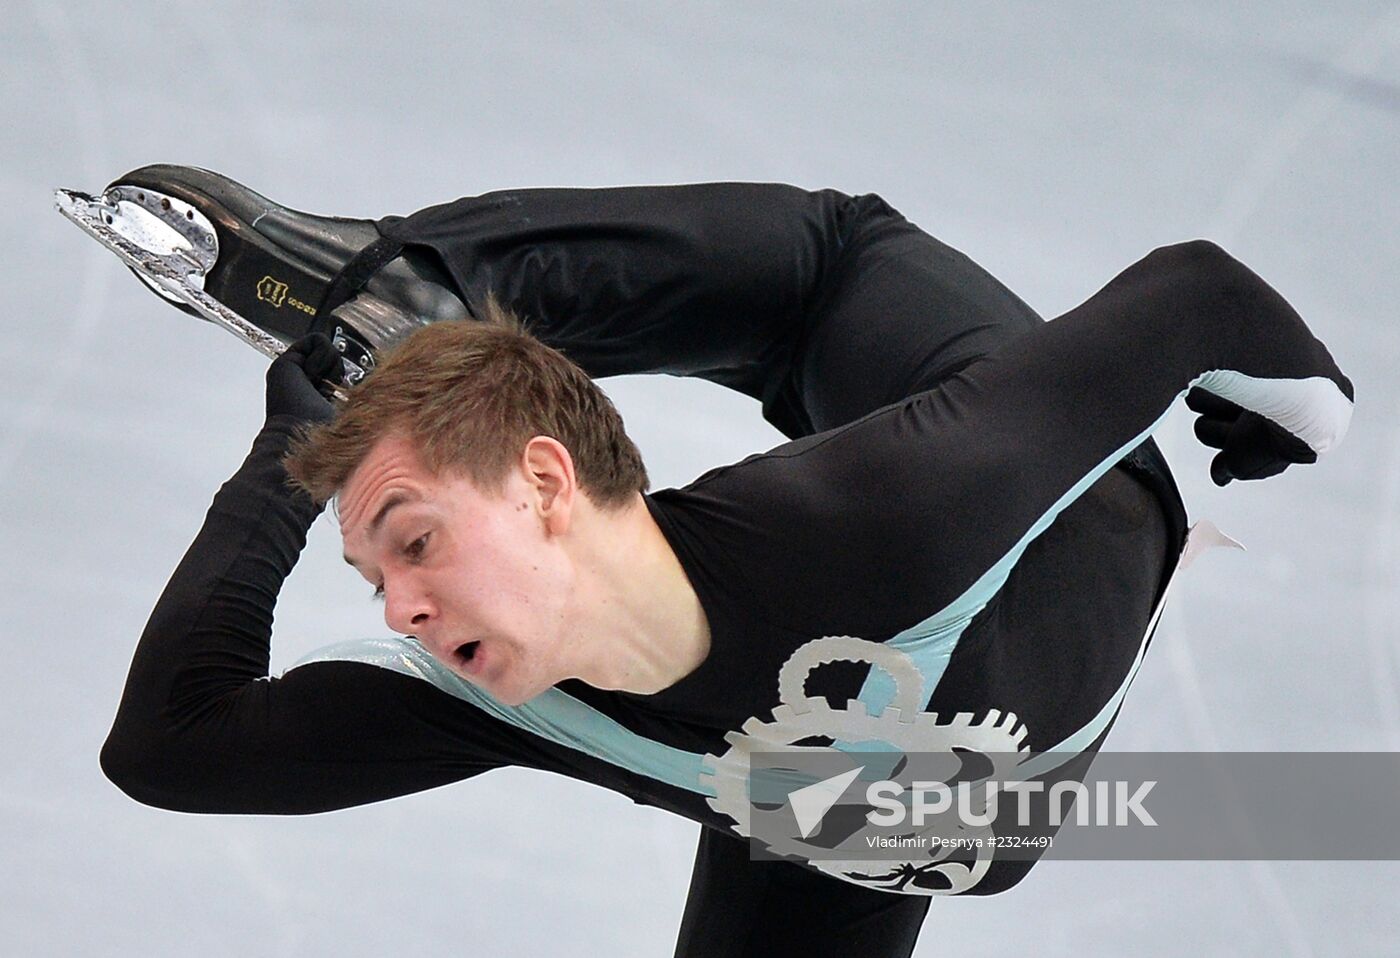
pixel 395 499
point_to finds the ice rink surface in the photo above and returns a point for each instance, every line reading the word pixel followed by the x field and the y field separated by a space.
pixel 1055 146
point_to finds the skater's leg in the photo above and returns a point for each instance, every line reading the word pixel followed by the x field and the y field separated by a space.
pixel 739 908
pixel 901 312
pixel 822 305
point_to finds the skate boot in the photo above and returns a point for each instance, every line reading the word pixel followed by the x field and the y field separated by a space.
pixel 267 273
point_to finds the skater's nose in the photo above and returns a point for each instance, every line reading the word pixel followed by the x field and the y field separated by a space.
pixel 408 607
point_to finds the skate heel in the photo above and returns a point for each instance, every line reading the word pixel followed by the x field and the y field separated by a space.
pixel 274 264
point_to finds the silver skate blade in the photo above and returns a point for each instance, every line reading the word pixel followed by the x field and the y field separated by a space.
pixel 163 257
pixel 170 246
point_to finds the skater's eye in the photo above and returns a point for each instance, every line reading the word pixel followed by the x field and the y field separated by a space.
pixel 414 550
pixel 378 593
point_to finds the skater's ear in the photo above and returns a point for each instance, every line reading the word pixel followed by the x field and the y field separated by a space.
pixel 548 469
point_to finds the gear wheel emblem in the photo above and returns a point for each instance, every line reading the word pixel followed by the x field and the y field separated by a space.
pixel 902 726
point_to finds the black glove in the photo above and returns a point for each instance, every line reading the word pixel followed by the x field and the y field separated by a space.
pixel 1252 447
pixel 300 381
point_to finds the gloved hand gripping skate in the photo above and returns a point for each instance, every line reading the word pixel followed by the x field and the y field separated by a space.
pixel 301 381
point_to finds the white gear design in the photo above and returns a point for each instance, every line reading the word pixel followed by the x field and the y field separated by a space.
pixel 902 725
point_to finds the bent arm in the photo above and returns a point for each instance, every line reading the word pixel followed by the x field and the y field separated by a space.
pixel 1013 440
pixel 201 726
pixel 936 497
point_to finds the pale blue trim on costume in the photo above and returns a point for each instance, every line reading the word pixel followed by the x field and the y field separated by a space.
pixel 553 715
pixel 931 643
pixel 559 717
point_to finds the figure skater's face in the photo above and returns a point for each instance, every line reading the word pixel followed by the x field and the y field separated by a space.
pixel 481 579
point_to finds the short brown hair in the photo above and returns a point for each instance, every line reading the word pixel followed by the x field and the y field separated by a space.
pixel 469 395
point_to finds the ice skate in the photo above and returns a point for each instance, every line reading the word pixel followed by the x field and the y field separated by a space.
pixel 267 273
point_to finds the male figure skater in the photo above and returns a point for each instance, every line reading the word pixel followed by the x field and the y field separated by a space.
pixel 966 536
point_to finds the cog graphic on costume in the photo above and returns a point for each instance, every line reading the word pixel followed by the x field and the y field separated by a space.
pixel 960 744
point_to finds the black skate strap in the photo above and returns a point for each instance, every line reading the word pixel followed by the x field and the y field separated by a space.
pixel 356 273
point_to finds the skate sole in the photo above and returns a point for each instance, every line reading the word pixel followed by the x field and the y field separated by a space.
pixel 176 251
pixel 266 283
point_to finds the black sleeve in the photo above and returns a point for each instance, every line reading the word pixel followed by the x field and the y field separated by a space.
pixel 203 728
pixel 927 503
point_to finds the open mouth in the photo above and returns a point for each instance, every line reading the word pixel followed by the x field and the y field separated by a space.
pixel 466 651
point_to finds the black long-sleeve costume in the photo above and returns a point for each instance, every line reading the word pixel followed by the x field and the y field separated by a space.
pixel 950 491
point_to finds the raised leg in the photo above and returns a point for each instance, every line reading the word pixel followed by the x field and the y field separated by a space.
pixel 821 305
